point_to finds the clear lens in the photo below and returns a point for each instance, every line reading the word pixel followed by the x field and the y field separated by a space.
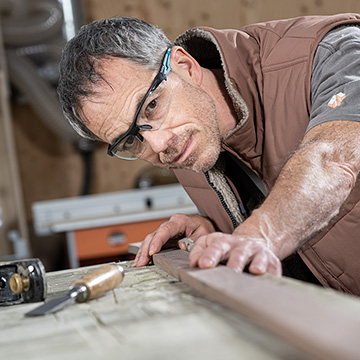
pixel 156 108
pixel 153 113
pixel 130 148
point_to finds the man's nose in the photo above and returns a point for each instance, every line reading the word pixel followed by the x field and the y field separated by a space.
pixel 158 140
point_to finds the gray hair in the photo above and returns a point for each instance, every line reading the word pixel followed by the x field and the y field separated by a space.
pixel 80 66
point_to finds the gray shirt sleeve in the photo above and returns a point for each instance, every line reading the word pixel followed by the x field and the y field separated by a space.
pixel 335 81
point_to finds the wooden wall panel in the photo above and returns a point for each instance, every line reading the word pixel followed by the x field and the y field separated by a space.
pixel 175 16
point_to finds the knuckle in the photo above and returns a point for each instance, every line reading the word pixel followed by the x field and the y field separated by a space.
pixel 165 227
pixel 164 224
pixel 238 258
pixel 149 237
pixel 242 252
pixel 177 217
pixel 239 251
pixel 217 245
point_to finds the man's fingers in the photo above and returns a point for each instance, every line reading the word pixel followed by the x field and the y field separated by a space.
pixel 240 256
pixel 165 232
pixel 265 261
pixel 209 250
pixel 152 244
pixel 259 259
pixel 259 264
pixel 142 256
pixel 197 251
pixel 216 247
pixel 274 266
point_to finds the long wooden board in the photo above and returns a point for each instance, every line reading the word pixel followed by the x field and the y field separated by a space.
pixel 323 323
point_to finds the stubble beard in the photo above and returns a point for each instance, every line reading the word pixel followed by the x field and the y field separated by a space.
pixel 205 132
pixel 205 156
pixel 208 138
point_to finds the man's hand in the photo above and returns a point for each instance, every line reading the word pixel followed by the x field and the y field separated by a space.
pixel 237 251
pixel 179 225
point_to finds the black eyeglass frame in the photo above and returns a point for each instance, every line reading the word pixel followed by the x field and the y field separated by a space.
pixel 134 127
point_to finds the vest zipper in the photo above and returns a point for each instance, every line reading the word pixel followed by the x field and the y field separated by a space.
pixel 221 199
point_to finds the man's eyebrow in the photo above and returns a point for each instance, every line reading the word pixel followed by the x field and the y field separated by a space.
pixel 139 99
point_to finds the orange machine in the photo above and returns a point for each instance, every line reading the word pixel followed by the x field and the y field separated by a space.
pixel 102 226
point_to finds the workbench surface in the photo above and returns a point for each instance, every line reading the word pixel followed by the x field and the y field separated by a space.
pixel 150 315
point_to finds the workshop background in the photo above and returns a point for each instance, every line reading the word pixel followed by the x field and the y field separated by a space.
pixel 40 156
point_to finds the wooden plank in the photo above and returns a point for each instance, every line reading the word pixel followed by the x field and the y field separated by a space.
pixel 323 323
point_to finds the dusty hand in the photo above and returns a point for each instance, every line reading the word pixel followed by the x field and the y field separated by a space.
pixel 179 225
pixel 237 251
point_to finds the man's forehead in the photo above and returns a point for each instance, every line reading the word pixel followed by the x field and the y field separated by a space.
pixel 119 77
pixel 102 117
pixel 119 71
pixel 124 83
pixel 122 78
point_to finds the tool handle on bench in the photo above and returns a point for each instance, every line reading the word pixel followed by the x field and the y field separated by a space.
pixel 100 281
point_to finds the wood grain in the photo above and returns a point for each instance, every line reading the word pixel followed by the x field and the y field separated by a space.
pixel 150 315
pixel 323 323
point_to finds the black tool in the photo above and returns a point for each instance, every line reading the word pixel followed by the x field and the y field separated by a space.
pixel 22 281
pixel 90 286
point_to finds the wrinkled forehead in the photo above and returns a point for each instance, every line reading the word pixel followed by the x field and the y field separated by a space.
pixel 119 75
pixel 123 83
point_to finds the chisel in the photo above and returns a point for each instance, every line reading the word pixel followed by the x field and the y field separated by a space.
pixel 90 286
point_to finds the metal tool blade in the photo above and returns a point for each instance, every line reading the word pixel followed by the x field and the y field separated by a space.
pixel 52 306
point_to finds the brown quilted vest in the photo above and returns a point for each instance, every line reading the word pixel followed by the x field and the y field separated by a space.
pixel 267 70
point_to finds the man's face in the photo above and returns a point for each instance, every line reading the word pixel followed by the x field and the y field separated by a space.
pixel 189 138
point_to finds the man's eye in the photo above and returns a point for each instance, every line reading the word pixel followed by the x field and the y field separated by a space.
pixel 151 106
pixel 129 142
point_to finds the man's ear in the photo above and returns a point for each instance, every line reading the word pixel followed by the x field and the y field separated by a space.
pixel 184 65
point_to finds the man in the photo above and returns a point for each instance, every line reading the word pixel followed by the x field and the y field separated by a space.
pixel 272 107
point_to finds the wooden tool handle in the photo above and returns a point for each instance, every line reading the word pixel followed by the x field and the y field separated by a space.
pixel 101 280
